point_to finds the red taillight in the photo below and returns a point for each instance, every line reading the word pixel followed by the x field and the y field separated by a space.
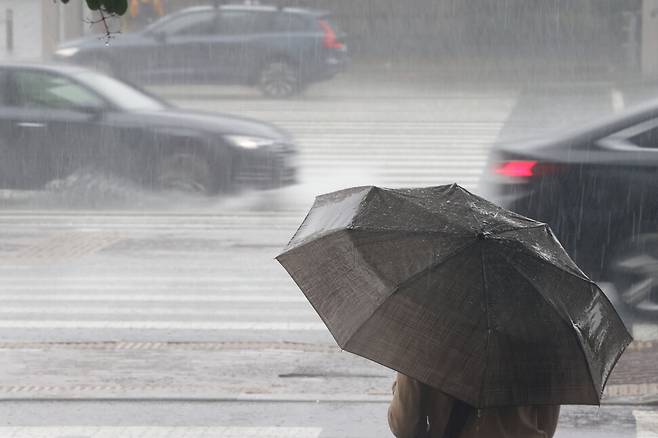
pixel 330 40
pixel 526 168
pixel 516 168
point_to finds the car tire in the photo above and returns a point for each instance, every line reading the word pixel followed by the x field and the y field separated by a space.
pixel 634 272
pixel 185 172
pixel 279 80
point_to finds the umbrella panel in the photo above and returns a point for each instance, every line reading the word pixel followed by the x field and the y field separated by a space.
pixel 398 256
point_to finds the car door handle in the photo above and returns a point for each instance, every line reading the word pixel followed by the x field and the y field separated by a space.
pixel 31 124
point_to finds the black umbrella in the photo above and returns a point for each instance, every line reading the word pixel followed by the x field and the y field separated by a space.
pixel 446 287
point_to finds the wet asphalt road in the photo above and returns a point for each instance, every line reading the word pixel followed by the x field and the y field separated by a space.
pixel 163 296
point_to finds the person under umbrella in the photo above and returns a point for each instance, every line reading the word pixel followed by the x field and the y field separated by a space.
pixel 420 411
pixel 480 307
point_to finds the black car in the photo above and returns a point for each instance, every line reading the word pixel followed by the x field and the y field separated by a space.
pixel 56 120
pixel 280 50
pixel 597 188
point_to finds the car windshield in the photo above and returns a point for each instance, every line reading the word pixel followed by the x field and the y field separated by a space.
pixel 119 93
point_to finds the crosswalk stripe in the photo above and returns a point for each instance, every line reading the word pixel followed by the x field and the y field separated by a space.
pixel 266 311
pixel 159 432
pixel 646 424
pixel 645 331
pixel 273 286
pixel 166 325
pixel 201 298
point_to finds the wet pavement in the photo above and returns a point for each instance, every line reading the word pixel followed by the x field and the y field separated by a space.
pixel 345 419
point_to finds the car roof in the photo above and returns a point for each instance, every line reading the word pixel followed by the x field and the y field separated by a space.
pixel 258 8
pixel 48 67
pixel 590 131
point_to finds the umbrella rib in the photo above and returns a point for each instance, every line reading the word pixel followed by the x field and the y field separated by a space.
pixel 407 281
pixel 508 230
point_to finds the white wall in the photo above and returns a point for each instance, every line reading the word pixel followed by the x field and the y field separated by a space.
pixel 28 28
pixel 650 37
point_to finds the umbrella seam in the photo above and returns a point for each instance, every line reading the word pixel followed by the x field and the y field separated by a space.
pixel 412 278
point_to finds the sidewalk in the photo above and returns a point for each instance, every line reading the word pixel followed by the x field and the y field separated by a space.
pixel 278 371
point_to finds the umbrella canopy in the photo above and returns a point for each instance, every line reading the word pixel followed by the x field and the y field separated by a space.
pixel 465 296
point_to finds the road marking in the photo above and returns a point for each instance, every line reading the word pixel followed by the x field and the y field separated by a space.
pixel 159 432
pixel 266 311
pixel 646 424
pixel 204 346
pixel 71 244
pixel 179 288
pixel 645 331
pixel 631 389
pixel 202 298
pixel 165 325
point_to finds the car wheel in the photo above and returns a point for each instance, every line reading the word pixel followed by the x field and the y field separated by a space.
pixel 635 275
pixel 185 172
pixel 279 79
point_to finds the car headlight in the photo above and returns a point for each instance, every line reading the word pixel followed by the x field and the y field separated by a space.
pixel 248 142
pixel 67 52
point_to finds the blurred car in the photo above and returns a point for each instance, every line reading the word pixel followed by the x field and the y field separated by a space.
pixel 597 187
pixel 280 50
pixel 56 120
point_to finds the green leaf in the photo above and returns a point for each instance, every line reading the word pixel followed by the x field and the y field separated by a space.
pixel 94 5
pixel 120 6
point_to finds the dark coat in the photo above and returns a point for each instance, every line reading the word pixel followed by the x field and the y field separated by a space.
pixel 416 405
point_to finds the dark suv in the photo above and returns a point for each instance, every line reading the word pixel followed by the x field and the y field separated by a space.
pixel 280 50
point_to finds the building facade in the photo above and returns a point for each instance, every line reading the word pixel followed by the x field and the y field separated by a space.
pixel 564 34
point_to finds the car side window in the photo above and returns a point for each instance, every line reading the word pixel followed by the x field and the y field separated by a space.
pixel 646 139
pixel 643 135
pixel 47 90
pixel 197 23
pixel 243 22
pixel 287 22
